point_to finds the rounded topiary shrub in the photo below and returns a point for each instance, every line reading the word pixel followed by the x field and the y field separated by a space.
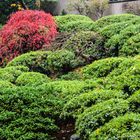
pixel 99 114
pixel 80 25
pixel 134 101
pixel 122 127
pixel 107 20
pixel 87 46
pixel 115 28
pixel 115 43
pixel 47 62
pixel 101 68
pixel 31 78
pixel 78 104
pixel 11 73
pixel 25 31
pixel 131 47
pixel 65 19
pixel 25 114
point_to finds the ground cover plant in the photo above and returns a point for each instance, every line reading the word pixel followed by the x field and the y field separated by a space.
pixel 87 82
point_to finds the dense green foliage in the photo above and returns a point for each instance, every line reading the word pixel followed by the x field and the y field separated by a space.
pixel 45 93
pixel 105 21
pixel 122 127
pixel 72 20
pixel 87 46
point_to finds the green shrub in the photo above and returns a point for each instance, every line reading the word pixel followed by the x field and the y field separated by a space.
pixel 63 20
pixel 26 114
pixel 101 68
pixel 11 73
pixel 128 81
pixel 99 114
pixel 5 84
pixel 78 104
pixel 131 47
pixel 135 102
pixel 122 127
pixel 67 89
pixel 86 45
pixel 79 25
pixel 31 78
pixel 115 43
pixel 35 61
pixel 1 26
pixel 61 61
pixel 116 28
pixel 108 20
pixel 49 63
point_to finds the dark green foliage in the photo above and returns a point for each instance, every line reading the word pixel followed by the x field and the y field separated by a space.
pixel 122 127
pixel 11 73
pixel 99 114
pixel 78 104
pixel 86 45
pixel 31 78
pixel 65 19
pixel 50 63
pixel 79 25
pixel 108 20
pixel 26 114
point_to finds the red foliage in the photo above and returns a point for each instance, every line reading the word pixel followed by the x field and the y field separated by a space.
pixel 26 30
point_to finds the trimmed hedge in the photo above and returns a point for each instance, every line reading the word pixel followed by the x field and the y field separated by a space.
pixel 63 20
pixel 115 43
pixel 99 114
pixel 78 104
pixel 101 68
pixel 108 20
pixel 11 73
pixel 129 81
pixel 135 102
pixel 5 84
pixel 87 46
pixel 49 63
pixel 131 47
pixel 122 127
pixel 80 25
pixel 113 29
pixel 27 114
pixel 31 79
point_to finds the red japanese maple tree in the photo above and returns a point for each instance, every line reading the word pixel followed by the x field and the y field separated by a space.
pixel 27 30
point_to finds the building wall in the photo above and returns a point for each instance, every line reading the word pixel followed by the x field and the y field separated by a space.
pixel 115 8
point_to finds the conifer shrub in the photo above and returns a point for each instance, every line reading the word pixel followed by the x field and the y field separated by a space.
pixel 116 42
pixel 11 73
pixel 80 25
pixel 78 104
pixel 87 46
pixel 131 47
pixel 128 81
pixel 122 127
pixel 5 84
pixel 50 63
pixel 101 68
pixel 134 101
pixel 31 78
pixel 99 114
pixel 108 20
pixel 27 30
pixel 65 19
pixel 26 114
pixel 115 28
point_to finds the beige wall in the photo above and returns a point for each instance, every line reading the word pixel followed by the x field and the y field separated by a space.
pixel 115 8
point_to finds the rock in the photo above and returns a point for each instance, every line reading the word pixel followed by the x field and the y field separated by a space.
pixel 75 137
